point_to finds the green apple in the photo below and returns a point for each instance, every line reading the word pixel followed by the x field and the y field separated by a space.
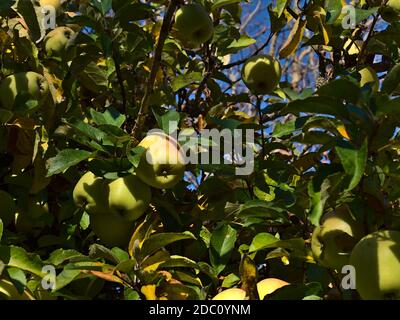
pixel 334 239
pixel 129 196
pixel 261 74
pixel 368 75
pixel 59 43
pixel 162 165
pixel 91 193
pixel 193 25
pixel 8 209
pixel 112 229
pixel 376 259
pixel 231 294
pixel 30 84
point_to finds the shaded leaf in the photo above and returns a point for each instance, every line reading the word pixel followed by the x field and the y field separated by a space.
pixel 64 159
pixel 222 243
pixel 353 161
pixel 160 240
pixel 294 38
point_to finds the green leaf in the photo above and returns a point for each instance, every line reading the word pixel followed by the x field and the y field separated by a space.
pixel 280 7
pixel 184 80
pixel 230 280
pixel 110 116
pixel 318 192
pixel 84 223
pixel 318 105
pixel 266 240
pixel 295 291
pixel 362 14
pixel 98 251
pixel 222 243
pixel 179 262
pixel 130 294
pixel 59 256
pixel 6 4
pixel 135 154
pixel 169 121
pixel 93 77
pixel 341 89
pixel 392 80
pixel 65 278
pixel 387 106
pixel 134 12
pixel 160 240
pixel 353 161
pixel 18 278
pixel 333 9
pixel 33 17
pixel 17 257
pixel 283 129
pixel 5 116
pixel 221 3
pixel 86 129
pixel 243 42
pixel 294 38
pixel 65 159
pixel 259 208
pixel 103 6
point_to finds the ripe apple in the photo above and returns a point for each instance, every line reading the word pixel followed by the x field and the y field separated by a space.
pixel 261 74
pixel 269 285
pixel 162 165
pixel 129 196
pixel 59 43
pixel 112 229
pixel 91 192
pixel 368 75
pixel 30 84
pixel 53 3
pixel 376 259
pixel 231 294
pixel 8 209
pixel 334 239
pixel 193 25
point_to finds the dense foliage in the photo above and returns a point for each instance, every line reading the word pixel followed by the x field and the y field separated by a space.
pixel 114 69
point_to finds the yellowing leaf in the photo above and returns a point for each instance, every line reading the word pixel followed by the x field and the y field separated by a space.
pixel 343 132
pixel 152 263
pixel 294 38
pixel 149 291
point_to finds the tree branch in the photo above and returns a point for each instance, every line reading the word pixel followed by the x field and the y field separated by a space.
pixel 144 105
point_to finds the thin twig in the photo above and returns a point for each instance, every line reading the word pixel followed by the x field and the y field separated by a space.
pixel 258 106
pixel 239 62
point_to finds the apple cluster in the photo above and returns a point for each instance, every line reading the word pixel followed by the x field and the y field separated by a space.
pixel 115 205
pixel 340 240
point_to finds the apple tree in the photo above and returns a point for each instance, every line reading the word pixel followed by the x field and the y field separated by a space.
pixel 126 127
